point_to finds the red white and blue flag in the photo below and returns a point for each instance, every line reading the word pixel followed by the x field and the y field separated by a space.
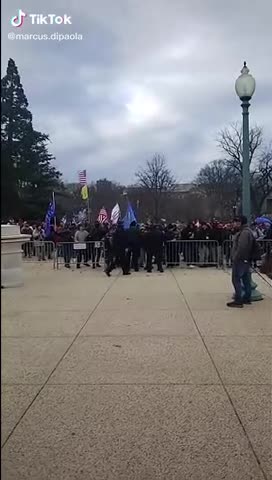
pixel 82 177
pixel 102 216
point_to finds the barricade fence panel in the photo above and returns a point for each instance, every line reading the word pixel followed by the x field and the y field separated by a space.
pixel 176 252
pixel 72 253
pixel 38 251
pixel 192 252
pixel 226 253
pixel 266 247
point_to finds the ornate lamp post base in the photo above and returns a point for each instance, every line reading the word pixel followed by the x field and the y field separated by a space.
pixel 256 296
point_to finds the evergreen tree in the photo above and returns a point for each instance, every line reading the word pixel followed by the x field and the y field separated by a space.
pixel 28 177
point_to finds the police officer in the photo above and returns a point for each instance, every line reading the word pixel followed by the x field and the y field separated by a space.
pixel 120 247
pixel 153 242
pixel 134 245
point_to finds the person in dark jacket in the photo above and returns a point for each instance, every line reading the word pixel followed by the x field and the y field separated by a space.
pixel 134 246
pixel 189 249
pixel 154 241
pixel 109 253
pixel 171 246
pixel 202 234
pixel 120 247
pixel 241 264
pixel 96 235
pixel 66 241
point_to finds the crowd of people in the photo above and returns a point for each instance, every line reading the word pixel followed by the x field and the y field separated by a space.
pixel 141 246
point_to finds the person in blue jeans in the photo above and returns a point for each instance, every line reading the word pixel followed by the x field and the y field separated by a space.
pixel 241 277
pixel 241 264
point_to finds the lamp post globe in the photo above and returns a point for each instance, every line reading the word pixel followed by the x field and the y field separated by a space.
pixel 245 88
pixel 245 84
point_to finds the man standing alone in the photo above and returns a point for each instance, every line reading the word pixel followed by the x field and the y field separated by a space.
pixel 242 253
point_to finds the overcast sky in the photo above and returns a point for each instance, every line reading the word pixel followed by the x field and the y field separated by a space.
pixel 148 76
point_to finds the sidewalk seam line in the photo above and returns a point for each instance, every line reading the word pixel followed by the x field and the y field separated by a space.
pixel 60 360
pixel 221 380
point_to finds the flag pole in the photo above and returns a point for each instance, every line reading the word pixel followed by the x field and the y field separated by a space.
pixel 89 207
pixel 54 203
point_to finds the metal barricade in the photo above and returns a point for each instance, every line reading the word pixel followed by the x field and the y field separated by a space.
pixel 38 251
pixel 192 252
pixel 86 253
pixel 266 247
pixel 226 260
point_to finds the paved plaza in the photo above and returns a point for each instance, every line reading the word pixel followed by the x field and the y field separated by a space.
pixel 147 377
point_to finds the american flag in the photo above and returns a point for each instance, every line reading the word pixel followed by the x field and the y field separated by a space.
pixel 82 177
pixel 102 216
pixel 115 214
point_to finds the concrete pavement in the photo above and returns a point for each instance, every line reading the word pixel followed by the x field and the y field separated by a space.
pixel 147 377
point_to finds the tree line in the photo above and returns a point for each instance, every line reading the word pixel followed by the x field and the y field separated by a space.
pixel 29 176
pixel 221 180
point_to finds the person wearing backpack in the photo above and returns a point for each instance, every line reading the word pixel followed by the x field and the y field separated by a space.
pixel 244 251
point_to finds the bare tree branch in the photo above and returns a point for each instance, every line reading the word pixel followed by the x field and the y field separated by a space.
pixel 262 179
pixel 230 142
pixel 156 179
pixel 221 184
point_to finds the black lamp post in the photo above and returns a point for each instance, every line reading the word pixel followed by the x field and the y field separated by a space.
pixel 245 87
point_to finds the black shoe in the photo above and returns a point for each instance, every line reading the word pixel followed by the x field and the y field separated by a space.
pixel 235 304
pixel 98 266
pixel 160 270
pixel 86 264
pixel 67 265
pixel 247 302
pixel 149 271
pixel 126 273
pixel 93 266
pixel 78 266
pixel 107 273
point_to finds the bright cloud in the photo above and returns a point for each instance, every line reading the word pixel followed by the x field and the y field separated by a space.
pixel 147 77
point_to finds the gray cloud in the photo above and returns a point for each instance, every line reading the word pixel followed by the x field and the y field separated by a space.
pixel 147 77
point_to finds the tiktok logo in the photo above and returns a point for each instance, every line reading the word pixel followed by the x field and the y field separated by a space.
pixel 18 20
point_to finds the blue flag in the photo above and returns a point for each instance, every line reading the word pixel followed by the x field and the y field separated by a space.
pixel 50 214
pixel 129 217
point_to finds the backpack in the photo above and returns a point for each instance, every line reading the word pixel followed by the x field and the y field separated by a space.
pixel 256 252
pixel 266 266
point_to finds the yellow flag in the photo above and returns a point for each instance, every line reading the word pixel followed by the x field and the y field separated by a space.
pixel 84 192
